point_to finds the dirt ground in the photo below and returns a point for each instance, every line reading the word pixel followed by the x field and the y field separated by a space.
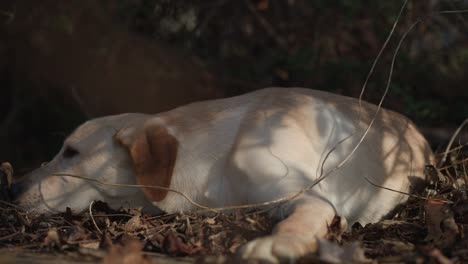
pixel 431 227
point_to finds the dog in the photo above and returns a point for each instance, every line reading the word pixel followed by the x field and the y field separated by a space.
pixel 253 148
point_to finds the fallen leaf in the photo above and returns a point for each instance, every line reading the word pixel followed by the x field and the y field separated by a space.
pixel 90 245
pixel 52 238
pixel 210 221
pixel 175 246
pixel 441 226
pixel 133 224
pixel 130 253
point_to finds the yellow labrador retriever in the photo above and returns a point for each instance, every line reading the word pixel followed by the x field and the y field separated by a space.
pixel 247 149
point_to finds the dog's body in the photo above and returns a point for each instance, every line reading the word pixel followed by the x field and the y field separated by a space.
pixel 247 149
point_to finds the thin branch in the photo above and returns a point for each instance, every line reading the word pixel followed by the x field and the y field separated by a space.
pixel 459 162
pixel 453 149
pixel 364 86
pixel 454 136
pixel 408 194
pixel 92 218
pixel 379 106
pixel 13 205
pixel 200 206
pixel 10 236
pixel 450 12
pixel 360 101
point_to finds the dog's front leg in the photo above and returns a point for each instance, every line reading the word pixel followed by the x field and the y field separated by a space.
pixel 307 219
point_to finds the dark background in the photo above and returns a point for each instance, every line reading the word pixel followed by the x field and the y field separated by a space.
pixel 62 62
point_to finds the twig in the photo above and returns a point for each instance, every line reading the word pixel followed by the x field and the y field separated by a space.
pixel 399 44
pixel 200 206
pixel 408 194
pixel 450 12
pixel 12 205
pixel 10 236
pixel 364 86
pixel 465 174
pixel 454 136
pixel 452 150
pixel 379 106
pixel 133 186
pixel 384 46
pixel 161 216
pixel 463 161
pixel 92 218
pixel 112 215
pixel 388 85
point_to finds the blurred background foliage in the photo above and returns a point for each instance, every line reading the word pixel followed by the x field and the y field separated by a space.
pixel 327 45
pixel 52 50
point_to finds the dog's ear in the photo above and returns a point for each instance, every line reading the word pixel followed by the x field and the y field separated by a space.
pixel 153 151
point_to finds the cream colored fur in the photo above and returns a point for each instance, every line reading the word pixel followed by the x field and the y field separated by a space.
pixel 249 149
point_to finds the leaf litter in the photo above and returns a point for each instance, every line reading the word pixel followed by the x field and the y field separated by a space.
pixel 429 230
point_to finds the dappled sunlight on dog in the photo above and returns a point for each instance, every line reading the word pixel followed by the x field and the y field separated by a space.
pixel 307 152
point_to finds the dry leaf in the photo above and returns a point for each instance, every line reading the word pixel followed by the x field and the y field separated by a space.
pixel 175 246
pixel 130 253
pixel 90 245
pixel 133 224
pixel 441 225
pixel 52 238
pixel 210 221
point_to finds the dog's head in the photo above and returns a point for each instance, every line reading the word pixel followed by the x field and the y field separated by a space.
pixel 124 149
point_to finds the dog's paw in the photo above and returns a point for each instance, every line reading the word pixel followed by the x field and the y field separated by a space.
pixel 276 249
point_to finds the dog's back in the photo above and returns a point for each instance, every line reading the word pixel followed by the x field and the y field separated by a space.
pixel 281 140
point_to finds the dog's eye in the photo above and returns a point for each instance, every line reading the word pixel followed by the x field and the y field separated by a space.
pixel 69 152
